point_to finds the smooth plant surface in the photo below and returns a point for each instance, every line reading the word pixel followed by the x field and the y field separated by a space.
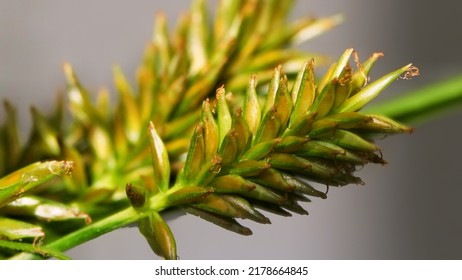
pixel 268 139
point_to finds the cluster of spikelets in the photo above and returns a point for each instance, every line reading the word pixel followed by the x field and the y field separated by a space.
pixel 267 154
pixel 220 156
pixel 107 146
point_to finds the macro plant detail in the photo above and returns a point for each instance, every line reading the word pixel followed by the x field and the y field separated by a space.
pixel 214 128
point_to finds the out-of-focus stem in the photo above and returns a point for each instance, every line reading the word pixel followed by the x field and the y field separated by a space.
pixel 423 104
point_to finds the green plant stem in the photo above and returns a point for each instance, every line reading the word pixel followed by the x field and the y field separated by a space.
pixel 423 104
pixel 120 219
pixel 26 247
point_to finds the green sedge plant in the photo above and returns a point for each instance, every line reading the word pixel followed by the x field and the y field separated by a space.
pixel 227 121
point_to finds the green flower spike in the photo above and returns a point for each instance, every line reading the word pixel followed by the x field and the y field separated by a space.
pixel 237 167
pixel 218 145
pixel 238 163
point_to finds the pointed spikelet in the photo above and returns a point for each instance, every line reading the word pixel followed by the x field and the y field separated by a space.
pixel 15 184
pixel 303 91
pixel 224 116
pixel 252 111
pixel 159 236
pixel 160 161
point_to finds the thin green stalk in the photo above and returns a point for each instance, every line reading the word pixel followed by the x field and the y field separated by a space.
pixel 118 220
pixel 26 247
pixel 423 104
pixel 115 221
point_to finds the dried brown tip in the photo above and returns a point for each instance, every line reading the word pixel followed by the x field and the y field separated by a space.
pixel 413 71
pixel 359 65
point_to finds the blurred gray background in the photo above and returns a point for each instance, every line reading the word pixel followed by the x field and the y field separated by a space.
pixel 409 209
